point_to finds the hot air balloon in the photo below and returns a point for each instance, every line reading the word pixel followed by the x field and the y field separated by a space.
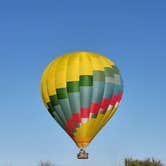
pixel 82 91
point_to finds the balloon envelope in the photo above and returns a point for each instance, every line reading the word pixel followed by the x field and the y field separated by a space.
pixel 82 91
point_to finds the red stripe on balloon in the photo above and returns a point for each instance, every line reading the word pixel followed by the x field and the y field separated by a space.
pixel 69 126
pixel 105 103
pixel 76 117
pixel 119 97
pixel 85 112
pixel 113 100
pixel 95 108
pixel 71 123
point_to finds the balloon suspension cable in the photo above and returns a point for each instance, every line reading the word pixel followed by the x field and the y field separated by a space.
pixel 82 154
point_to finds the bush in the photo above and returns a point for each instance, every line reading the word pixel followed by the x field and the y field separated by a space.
pixel 45 164
pixel 147 162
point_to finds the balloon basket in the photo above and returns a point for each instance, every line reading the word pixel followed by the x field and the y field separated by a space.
pixel 82 154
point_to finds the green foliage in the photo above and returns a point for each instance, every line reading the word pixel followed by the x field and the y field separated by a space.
pixel 147 162
pixel 45 164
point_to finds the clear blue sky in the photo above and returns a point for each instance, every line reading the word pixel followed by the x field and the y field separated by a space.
pixel 131 33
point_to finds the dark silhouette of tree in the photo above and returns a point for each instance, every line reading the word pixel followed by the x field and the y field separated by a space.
pixel 147 162
pixel 46 164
